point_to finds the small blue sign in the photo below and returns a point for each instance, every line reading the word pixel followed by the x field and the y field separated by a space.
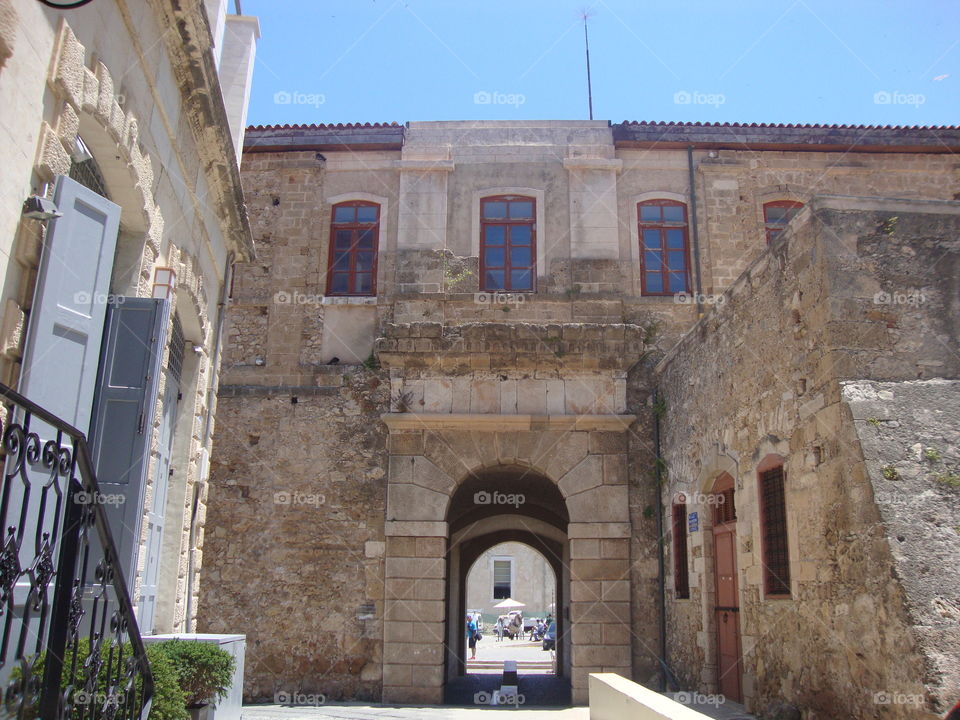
pixel 693 522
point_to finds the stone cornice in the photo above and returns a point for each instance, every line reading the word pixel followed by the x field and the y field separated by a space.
pixel 502 423
pixel 191 54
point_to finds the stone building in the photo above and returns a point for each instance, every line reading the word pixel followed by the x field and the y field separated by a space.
pixel 112 311
pixel 622 324
pixel 511 570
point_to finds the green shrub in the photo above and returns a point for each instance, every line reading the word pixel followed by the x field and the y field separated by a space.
pixel 169 702
pixel 205 671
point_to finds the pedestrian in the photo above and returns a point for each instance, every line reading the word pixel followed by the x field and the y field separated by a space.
pixel 498 629
pixel 472 636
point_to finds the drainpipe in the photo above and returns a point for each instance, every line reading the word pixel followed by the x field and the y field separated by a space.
pixel 207 426
pixel 696 233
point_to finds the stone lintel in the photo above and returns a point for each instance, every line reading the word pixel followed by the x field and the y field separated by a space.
pixel 426 165
pixel 415 528
pixel 500 423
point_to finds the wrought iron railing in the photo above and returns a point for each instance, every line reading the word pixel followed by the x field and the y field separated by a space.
pixel 70 646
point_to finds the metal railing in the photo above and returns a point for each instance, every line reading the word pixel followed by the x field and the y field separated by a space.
pixel 78 653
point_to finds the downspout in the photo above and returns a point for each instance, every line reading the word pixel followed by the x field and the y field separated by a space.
pixel 207 428
pixel 696 233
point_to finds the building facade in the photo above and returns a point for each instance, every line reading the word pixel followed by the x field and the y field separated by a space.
pixel 511 570
pixel 447 317
pixel 112 302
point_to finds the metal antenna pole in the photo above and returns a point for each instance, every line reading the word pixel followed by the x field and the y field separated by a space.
pixel 586 42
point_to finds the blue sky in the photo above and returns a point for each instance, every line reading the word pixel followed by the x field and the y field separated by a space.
pixel 797 61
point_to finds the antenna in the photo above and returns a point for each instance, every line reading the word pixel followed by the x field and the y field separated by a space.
pixel 585 13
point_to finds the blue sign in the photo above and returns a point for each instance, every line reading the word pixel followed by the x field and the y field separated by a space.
pixel 693 522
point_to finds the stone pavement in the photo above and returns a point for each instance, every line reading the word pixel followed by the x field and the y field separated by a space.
pixel 350 711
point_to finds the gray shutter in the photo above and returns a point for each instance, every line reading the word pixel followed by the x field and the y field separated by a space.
pixel 123 423
pixel 66 320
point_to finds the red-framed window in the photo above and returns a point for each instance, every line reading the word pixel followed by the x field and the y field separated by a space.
pixel 776 215
pixel 664 250
pixel 681 574
pixel 508 243
pixel 354 237
pixel 773 529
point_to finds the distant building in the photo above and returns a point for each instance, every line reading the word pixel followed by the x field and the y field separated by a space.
pixel 511 570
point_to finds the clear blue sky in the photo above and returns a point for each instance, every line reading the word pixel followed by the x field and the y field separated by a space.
pixel 799 61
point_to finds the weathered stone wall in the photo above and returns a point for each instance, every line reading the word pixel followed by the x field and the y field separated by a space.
pixel 776 348
pixel 295 534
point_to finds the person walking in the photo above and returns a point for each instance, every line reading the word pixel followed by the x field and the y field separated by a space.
pixel 472 636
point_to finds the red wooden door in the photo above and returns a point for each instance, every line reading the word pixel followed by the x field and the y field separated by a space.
pixel 727 610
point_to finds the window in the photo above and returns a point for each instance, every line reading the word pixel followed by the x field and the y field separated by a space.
pixel 663 247
pixel 681 577
pixel 502 578
pixel 354 236
pixel 776 215
pixel 508 250
pixel 773 524
pixel 724 509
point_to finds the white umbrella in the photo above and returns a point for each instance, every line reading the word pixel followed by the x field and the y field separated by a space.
pixel 510 603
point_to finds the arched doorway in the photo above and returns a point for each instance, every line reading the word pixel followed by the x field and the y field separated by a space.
pixel 506 503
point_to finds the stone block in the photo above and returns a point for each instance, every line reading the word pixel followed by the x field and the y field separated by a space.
pixel 614 469
pixel 588 473
pixel 417 654
pixel 531 397
pixel 599 569
pixel 405 442
pixel 604 655
pixel 416 568
pixel 607 503
pixel 556 398
pixel 565 453
pixel 426 474
pixel 604 442
pixel 484 396
pixel 601 612
pixel 413 611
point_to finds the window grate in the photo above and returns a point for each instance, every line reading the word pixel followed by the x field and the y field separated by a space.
pixel 776 558
pixel 178 347
pixel 681 575
pixel 724 511
pixel 87 173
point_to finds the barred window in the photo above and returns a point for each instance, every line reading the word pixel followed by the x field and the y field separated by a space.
pixel 773 523
pixel 681 575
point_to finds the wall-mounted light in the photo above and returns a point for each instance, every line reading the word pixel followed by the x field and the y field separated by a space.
pixel 36 207
pixel 198 349
pixel 164 283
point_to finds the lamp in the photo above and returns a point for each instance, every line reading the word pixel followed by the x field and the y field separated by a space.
pixel 40 208
pixel 164 283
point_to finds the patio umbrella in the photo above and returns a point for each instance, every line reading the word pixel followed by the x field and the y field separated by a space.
pixel 509 604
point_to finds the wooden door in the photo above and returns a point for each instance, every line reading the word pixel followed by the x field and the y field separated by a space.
pixel 727 608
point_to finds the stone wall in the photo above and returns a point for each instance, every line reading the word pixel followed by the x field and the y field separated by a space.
pixel 777 348
pixel 295 534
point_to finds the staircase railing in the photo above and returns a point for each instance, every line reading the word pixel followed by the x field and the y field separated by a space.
pixel 77 654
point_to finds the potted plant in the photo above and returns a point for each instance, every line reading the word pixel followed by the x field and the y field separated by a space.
pixel 205 672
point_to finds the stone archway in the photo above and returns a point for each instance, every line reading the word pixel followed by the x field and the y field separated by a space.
pixel 431 456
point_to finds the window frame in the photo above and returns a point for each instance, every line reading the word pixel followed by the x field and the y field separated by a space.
pixel 493 575
pixel 662 226
pixel 681 552
pixel 354 227
pixel 776 580
pixel 772 230
pixel 508 223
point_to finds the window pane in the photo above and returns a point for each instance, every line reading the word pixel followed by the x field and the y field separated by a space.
pixel 521 209
pixel 363 283
pixel 495 210
pixel 364 261
pixel 343 240
pixel 654 283
pixel 341 261
pixel 493 234
pixel 673 213
pixel 501 572
pixel 650 213
pixel 521 280
pixel 493 280
pixel 367 213
pixel 651 238
pixel 675 239
pixel 776 215
pixel 653 261
pixel 366 239
pixel 494 257
pixel 338 283
pixel 676 260
pixel 520 257
pixel 344 214
pixel 678 282
pixel 520 234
